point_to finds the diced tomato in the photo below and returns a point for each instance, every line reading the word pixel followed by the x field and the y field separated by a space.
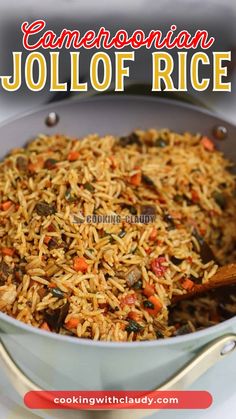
pixel 188 284
pixel 148 250
pixel 157 306
pixel 149 290
pixel 128 300
pixel 207 144
pixel 51 228
pixel 73 155
pixel 80 264
pixel 157 266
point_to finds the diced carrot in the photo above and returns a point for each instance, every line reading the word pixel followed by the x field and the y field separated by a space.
pixel 7 251
pixel 45 326
pixel 207 144
pixel 148 250
pixel 194 196
pixel 148 290
pixel 113 162
pixel 188 284
pixel 134 316
pixel 153 234
pixel 157 306
pixel 72 323
pixel 80 264
pixel 33 167
pixel 6 205
pixel 47 239
pixel 136 179
pixel 73 155
pixel 202 231
pixel 52 285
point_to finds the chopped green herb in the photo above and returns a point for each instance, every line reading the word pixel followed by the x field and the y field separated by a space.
pixel 122 234
pixel 50 164
pixel 178 198
pixel 148 304
pixel 56 292
pixel 89 187
pixel 138 285
pixel 133 326
pixel 161 142
pixel 131 208
pixel 220 199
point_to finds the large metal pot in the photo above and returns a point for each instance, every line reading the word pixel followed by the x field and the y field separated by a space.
pixel 59 362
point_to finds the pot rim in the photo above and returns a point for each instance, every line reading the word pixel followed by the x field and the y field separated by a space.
pixel 23 327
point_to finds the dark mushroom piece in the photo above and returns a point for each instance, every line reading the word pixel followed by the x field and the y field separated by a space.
pixel 43 208
pixel 22 164
pixel 50 164
pixel 149 183
pixel 133 275
pixel 183 330
pixel 5 270
pixel 170 221
pixel 220 199
pixel 130 139
pixel 206 253
pixel 55 318
pixel 176 261
pixel 53 244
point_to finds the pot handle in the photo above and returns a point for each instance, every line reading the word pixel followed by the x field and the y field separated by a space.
pixel 198 365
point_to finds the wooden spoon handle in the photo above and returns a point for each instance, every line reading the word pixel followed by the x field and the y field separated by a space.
pixel 226 275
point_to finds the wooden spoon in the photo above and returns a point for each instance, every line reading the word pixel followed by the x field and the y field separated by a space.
pixel 225 276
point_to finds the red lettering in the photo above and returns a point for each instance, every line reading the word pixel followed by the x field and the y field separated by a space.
pixel 28 30
pixel 121 39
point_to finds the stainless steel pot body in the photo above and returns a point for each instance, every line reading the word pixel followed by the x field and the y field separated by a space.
pixel 58 362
